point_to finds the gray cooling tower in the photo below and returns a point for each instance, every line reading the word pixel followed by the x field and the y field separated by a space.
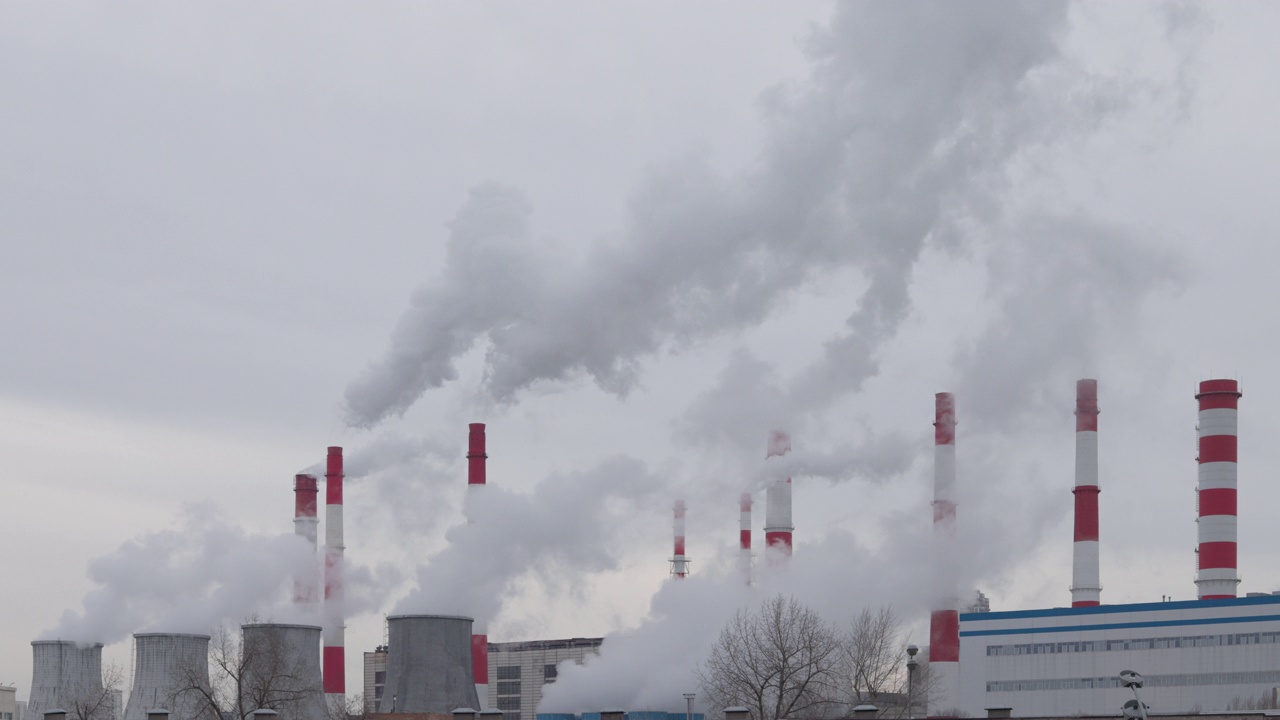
pixel 282 670
pixel 64 676
pixel 428 664
pixel 169 672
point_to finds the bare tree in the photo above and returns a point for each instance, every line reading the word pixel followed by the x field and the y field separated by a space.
pixel 779 661
pixel 96 702
pixel 873 664
pixel 244 675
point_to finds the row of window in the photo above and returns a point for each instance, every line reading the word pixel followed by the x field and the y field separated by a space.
pixel 512 672
pixel 1102 683
pixel 509 703
pixel 1090 646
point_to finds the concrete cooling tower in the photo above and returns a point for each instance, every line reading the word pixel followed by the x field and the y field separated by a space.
pixel 428 665
pixel 68 677
pixel 282 670
pixel 169 672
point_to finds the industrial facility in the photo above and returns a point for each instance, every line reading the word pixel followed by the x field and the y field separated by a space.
pixel 1217 653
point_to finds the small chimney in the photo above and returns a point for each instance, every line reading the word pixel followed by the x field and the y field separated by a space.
pixel 490 714
pixel 334 658
pixel 865 712
pixel 158 714
pixel 777 508
pixel 464 714
pixel 994 713
pixel 55 714
pixel 614 714
pixel 737 713
pixel 679 561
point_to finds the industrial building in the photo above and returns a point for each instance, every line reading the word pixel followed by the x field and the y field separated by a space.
pixel 520 669
pixel 1214 654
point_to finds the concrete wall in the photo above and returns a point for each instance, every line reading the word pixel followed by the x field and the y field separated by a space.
pixel 64 674
pixel 428 664
pixel 165 667
pixel 285 669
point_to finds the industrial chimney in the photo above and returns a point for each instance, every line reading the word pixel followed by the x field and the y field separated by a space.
pixel 170 671
pixel 1216 575
pixel 777 510
pixel 428 664
pixel 744 536
pixel 63 675
pixel 335 680
pixel 1086 585
pixel 305 522
pixel 679 561
pixel 476 480
pixel 944 623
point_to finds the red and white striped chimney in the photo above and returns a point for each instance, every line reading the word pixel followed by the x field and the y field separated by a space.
pixel 1216 575
pixel 335 676
pixel 476 480
pixel 679 561
pixel 777 509
pixel 305 524
pixel 944 623
pixel 744 536
pixel 1086 583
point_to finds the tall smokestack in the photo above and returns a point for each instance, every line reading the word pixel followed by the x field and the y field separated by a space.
pixel 679 561
pixel 777 509
pixel 476 480
pixel 744 536
pixel 335 678
pixel 944 623
pixel 1086 585
pixel 305 522
pixel 1216 493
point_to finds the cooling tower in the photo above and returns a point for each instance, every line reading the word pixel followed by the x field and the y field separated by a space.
pixel 428 664
pixel 65 676
pixel 169 672
pixel 282 670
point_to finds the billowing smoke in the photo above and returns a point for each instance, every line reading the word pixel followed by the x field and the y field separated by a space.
pixel 571 524
pixel 900 138
pixel 188 579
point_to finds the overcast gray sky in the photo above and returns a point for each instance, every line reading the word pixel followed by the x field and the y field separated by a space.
pixel 632 238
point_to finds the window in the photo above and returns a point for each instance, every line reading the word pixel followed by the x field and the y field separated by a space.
pixel 509 687
pixel 379 677
pixel 509 703
pixel 508 672
pixel 549 673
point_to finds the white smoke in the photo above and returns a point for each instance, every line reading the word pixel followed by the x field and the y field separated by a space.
pixel 570 525
pixel 189 579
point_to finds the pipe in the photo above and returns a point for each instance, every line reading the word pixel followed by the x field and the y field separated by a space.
pixel 777 511
pixel 744 536
pixel 1216 575
pixel 476 479
pixel 305 523
pixel 1086 585
pixel 944 622
pixel 679 561
pixel 335 682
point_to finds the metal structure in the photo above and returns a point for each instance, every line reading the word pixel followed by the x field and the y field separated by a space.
pixel 912 666
pixel 477 457
pixel 1086 584
pixel 777 512
pixel 335 680
pixel 679 561
pixel 428 664
pixel 282 669
pixel 944 622
pixel 305 524
pixel 64 675
pixel 1216 575
pixel 169 670
pixel 744 536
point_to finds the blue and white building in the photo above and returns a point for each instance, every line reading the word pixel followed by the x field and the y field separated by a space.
pixel 1199 655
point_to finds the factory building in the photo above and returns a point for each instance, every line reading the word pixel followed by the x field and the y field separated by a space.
pixel 1214 654
pixel 520 669
pixel 1196 655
